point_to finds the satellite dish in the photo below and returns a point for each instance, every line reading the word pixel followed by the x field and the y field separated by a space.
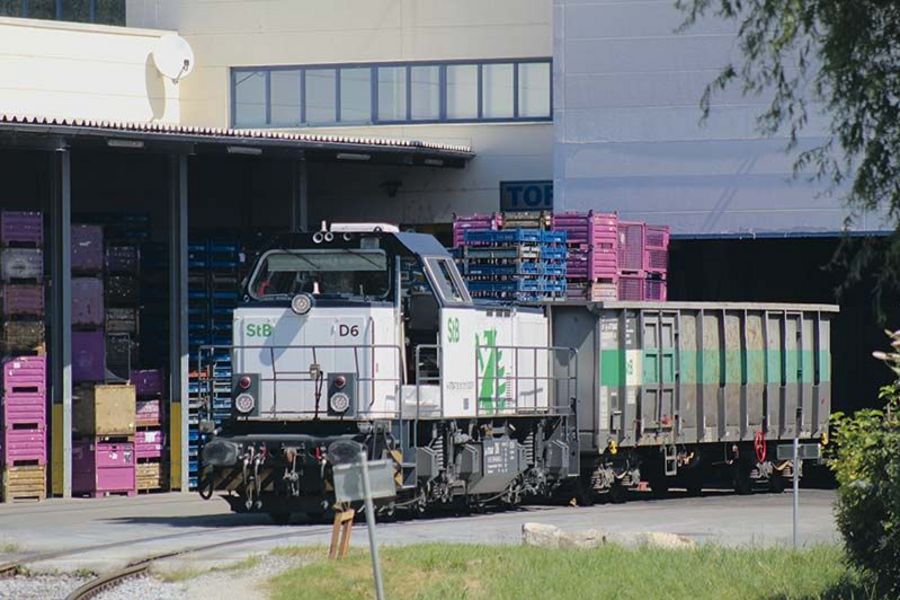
pixel 173 57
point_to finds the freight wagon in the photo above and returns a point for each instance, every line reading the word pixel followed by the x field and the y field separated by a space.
pixel 678 392
pixel 364 337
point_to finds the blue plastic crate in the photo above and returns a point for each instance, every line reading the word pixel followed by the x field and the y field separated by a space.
pixel 504 236
pixel 554 253
pixel 523 268
pixel 193 435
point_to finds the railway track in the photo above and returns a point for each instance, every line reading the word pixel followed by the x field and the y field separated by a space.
pixel 141 566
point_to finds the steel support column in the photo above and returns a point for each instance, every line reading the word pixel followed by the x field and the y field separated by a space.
pixel 178 338
pixel 60 316
pixel 299 196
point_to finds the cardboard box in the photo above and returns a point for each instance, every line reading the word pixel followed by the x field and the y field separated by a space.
pixel 104 410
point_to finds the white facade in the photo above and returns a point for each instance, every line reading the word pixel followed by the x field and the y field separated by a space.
pixel 82 71
pixel 291 32
pixel 627 88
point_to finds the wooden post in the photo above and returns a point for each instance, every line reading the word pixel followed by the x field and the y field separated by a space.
pixel 340 532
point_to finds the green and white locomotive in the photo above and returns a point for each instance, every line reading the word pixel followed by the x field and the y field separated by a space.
pixel 365 334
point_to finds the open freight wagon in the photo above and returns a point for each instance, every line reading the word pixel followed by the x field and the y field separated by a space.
pixel 677 393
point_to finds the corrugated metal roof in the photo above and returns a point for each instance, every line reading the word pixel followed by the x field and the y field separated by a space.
pixel 239 135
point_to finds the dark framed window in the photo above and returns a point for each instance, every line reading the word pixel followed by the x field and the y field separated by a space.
pixel 502 90
pixel 107 12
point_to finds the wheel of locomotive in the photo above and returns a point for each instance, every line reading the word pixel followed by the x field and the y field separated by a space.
pixel 693 482
pixel 618 493
pixel 280 518
pixel 584 495
pixel 659 486
pixel 740 473
pixel 777 482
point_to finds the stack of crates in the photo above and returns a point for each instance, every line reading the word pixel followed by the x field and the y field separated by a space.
pixel 593 264
pixel 103 444
pixel 461 224
pixel 123 307
pixel 213 294
pixel 88 336
pixel 152 473
pixel 23 429
pixel 527 219
pixel 517 265
pixel 22 272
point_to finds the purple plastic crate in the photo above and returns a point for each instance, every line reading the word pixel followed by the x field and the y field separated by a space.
pixel 100 467
pixel 20 227
pixel 631 245
pixel 122 259
pixel 87 301
pixel 88 356
pixel 23 299
pixel 22 263
pixel 21 445
pixel 87 248
pixel 148 382
pixel 24 409
pixel 149 444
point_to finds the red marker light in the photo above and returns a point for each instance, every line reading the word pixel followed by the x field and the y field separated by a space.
pixel 340 381
pixel 244 382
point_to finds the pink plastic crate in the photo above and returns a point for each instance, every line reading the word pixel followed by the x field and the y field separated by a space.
pixel 23 409
pixel 17 227
pixel 148 382
pixel 25 375
pixel 87 248
pixel 655 289
pixel 102 467
pixel 631 245
pixel 656 254
pixel 147 412
pixel 149 444
pixel 87 301
pixel 476 222
pixel 631 287
pixel 24 446
pixel 23 299
pixel 588 228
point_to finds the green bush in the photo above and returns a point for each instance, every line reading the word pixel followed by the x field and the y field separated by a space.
pixel 865 457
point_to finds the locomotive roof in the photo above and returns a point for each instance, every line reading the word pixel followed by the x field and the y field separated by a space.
pixel 420 244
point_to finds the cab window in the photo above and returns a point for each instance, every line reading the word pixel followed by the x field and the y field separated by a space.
pixel 447 281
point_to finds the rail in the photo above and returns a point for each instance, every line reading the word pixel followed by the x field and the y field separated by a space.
pixel 491 396
pixel 214 361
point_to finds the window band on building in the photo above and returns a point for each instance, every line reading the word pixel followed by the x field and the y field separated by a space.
pixel 502 90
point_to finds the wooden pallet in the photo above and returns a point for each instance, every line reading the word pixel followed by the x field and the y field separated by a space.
pixel 151 476
pixel 24 483
pixel 108 494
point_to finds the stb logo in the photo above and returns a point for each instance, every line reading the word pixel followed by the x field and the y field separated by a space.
pixel 452 330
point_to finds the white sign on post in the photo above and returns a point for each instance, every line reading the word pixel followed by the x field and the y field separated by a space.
pixel 348 480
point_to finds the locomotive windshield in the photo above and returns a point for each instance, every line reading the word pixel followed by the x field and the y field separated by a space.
pixel 332 272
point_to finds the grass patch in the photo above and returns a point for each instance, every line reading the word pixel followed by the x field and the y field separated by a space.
pixel 458 571
pixel 186 573
pixel 9 547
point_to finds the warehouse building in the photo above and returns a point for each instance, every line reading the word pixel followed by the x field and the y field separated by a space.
pixel 398 110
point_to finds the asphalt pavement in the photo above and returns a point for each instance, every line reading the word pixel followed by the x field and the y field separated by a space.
pixel 106 533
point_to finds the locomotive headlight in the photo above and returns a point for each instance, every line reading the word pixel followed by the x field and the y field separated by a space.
pixel 244 403
pixel 339 402
pixel 301 303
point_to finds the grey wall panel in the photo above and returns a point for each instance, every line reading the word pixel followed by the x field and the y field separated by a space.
pixel 628 136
